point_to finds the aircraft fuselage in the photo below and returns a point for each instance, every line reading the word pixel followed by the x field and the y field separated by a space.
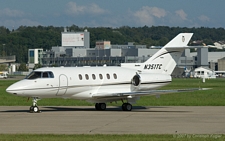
pixel 83 82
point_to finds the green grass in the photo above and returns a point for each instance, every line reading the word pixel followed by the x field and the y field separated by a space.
pixel 98 137
pixel 213 97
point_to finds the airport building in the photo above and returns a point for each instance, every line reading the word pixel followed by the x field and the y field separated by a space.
pixel 221 64
pixel 111 55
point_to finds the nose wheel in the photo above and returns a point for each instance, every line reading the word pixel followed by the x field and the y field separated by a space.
pixel 34 108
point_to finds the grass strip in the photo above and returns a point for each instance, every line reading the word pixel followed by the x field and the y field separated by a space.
pixel 213 97
pixel 103 137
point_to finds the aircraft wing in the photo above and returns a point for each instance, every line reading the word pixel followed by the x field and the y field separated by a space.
pixel 142 93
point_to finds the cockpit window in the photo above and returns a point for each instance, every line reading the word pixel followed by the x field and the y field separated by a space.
pixel 45 75
pixel 50 74
pixel 38 74
pixel 34 75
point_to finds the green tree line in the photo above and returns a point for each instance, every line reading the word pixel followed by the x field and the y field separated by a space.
pixel 18 41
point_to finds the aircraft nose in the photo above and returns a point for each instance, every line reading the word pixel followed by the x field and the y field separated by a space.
pixel 13 89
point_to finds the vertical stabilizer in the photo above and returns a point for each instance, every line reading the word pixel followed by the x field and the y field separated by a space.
pixel 165 60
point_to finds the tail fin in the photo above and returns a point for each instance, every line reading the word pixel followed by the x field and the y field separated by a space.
pixel 165 60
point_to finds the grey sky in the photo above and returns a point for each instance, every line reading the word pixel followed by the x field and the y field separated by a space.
pixel 112 13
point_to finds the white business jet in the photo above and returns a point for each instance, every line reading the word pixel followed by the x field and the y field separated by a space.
pixel 105 84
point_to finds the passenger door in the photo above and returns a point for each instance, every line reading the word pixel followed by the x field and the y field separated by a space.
pixel 63 83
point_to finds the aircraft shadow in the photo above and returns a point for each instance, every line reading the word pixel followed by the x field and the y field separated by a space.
pixel 109 109
pixel 88 109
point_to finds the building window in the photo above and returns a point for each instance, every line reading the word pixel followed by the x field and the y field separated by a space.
pixel 80 76
pixel 86 76
pixel 93 76
pixel 31 53
pixel 115 76
pixel 31 56
pixel 108 76
pixel 100 76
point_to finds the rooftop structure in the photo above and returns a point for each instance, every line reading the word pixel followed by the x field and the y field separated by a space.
pixel 76 39
pixel 7 59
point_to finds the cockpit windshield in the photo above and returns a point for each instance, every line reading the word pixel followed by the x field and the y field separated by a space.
pixel 39 74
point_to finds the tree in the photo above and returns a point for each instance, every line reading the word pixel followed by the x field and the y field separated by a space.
pixel 36 66
pixel 26 37
pixel 23 67
pixel 3 67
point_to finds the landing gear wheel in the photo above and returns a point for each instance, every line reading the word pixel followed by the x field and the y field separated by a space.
pixel 31 109
pixel 97 106
pixel 123 107
pixel 100 106
pixel 126 107
pixel 36 109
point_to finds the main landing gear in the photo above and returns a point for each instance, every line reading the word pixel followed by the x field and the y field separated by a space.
pixel 100 106
pixel 34 108
pixel 126 107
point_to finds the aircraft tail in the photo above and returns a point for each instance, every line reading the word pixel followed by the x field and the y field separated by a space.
pixel 165 60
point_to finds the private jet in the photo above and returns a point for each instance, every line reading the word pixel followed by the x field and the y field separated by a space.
pixel 101 85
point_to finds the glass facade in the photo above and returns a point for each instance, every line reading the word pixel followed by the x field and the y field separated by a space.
pixel 31 56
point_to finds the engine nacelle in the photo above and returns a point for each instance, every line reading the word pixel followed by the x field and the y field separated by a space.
pixel 136 80
pixel 148 81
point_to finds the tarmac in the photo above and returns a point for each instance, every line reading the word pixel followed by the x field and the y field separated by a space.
pixel 86 120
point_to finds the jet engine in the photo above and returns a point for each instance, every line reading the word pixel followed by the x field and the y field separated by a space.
pixel 146 81
pixel 136 80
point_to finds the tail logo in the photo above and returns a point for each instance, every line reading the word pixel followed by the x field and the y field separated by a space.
pixel 183 38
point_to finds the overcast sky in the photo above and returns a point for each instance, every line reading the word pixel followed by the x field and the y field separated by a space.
pixel 112 13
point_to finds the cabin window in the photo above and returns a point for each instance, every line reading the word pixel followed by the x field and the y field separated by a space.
pixel 100 76
pixel 115 76
pixel 93 76
pixel 202 72
pixel 86 76
pixel 108 76
pixel 80 76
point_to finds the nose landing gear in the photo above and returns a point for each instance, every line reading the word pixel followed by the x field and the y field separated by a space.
pixel 34 108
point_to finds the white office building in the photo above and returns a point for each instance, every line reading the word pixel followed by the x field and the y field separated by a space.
pixel 34 57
